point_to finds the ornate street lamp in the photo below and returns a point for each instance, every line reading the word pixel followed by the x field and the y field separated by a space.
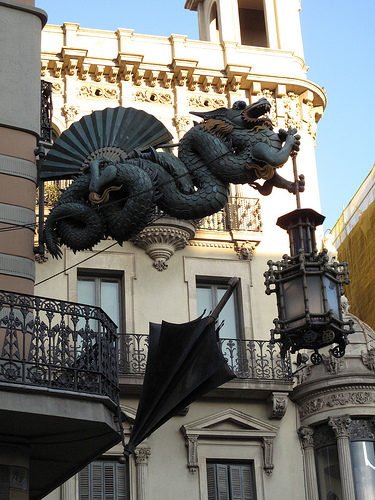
pixel 308 288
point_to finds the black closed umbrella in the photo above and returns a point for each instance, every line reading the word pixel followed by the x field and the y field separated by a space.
pixel 184 363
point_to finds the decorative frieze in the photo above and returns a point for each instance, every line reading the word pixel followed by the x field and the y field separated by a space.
pixel 153 97
pixel 340 399
pixel 205 101
pixel 96 91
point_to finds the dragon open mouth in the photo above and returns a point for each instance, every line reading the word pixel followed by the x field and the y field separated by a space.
pixel 253 114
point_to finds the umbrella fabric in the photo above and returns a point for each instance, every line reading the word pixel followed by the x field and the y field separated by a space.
pixel 184 363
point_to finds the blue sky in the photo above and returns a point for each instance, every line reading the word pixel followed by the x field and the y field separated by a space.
pixel 339 44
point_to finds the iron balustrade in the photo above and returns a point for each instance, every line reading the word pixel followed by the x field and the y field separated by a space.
pixel 239 214
pixel 57 345
pixel 249 359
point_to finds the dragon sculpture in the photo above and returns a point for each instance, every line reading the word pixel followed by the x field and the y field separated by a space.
pixel 117 189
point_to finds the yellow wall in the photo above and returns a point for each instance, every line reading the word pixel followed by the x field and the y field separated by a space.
pixel 357 250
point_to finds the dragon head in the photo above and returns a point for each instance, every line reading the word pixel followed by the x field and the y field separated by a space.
pixel 253 116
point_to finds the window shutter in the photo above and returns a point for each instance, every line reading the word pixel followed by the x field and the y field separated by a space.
pixel 109 481
pixel 97 491
pixel 222 482
pixel 84 484
pixel 241 482
pixel 211 482
pixel 121 482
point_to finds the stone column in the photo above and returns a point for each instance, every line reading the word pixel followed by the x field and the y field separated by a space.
pixel 141 462
pixel 340 427
pixel 305 434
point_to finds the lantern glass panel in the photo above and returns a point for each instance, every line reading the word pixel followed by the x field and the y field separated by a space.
pixel 315 295
pixel 333 297
pixel 294 302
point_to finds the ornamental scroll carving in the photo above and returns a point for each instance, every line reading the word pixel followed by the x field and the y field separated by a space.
pixel 153 96
pixel 334 400
pixel 292 111
pixel 340 425
pixel 99 92
pixel 203 101
pixel 277 405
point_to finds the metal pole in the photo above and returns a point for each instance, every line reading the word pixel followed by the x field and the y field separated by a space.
pixel 296 179
pixel 233 282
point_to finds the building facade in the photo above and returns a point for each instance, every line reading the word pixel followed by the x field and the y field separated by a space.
pixel 252 438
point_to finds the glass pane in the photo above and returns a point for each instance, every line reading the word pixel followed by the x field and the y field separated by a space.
pixel 294 301
pixel 363 462
pixel 228 314
pixel 332 297
pixel 86 291
pixel 314 287
pixel 204 300
pixel 109 300
pixel 328 472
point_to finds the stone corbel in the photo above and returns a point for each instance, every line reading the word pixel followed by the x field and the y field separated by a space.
pixel 44 67
pixel 128 64
pixel 182 78
pixel 220 85
pixel 153 78
pixel 235 83
pixel 207 83
pixel 73 59
pixel 277 405
pixel 57 68
pixel 183 70
pixel 267 446
pixel 244 250
pixel 113 74
pixel 85 70
pixel 160 241
pixel 139 77
pixel 192 446
pixel 168 79
pixel 99 71
pixel 193 82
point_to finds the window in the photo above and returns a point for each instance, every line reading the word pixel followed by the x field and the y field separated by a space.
pixel 103 480
pixel 100 291
pixel 209 295
pixel 230 481
pixel 252 23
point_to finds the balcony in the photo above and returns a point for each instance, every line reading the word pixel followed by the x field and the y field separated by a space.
pixel 256 363
pixel 58 385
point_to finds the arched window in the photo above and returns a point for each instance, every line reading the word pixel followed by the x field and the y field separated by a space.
pixel 214 25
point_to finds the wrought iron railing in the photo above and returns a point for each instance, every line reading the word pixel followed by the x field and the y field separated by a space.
pixel 249 359
pixel 57 345
pixel 46 112
pixel 240 214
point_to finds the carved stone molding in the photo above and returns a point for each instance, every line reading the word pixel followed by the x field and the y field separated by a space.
pixel 160 241
pixel 368 359
pixel 270 96
pixel 70 112
pixel 192 446
pixel 141 456
pixel 205 101
pixel 182 123
pixel 340 425
pixel 153 96
pixel 277 405
pixel 267 446
pixel 97 91
pixel 245 251
pixel 292 111
pixel 306 435
pixel 333 365
pixel 339 399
